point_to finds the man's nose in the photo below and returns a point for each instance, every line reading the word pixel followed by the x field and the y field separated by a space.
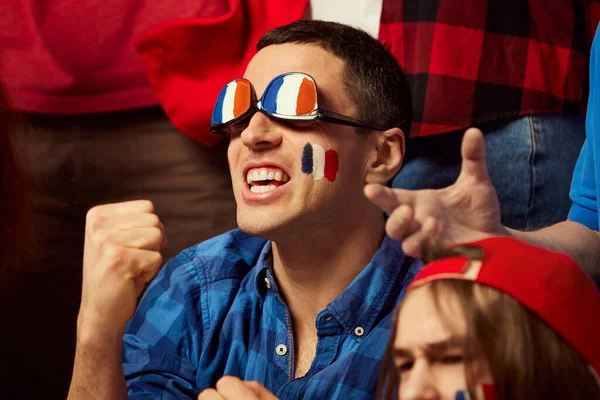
pixel 262 133
pixel 419 383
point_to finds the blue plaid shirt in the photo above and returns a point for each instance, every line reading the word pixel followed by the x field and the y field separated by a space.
pixel 215 310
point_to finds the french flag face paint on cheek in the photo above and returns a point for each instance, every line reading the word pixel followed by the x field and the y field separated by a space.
pixel 319 162
pixel 482 392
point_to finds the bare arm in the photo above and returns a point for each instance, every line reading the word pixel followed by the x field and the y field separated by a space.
pixel 121 254
pixel 98 373
pixel 580 242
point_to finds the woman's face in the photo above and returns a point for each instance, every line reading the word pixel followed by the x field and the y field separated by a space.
pixel 428 348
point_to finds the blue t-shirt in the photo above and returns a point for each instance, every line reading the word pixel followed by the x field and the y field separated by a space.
pixel 585 185
pixel 216 310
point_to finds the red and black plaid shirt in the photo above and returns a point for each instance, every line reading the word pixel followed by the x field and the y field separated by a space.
pixel 473 61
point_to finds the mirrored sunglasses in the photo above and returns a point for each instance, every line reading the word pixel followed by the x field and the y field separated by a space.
pixel 292 96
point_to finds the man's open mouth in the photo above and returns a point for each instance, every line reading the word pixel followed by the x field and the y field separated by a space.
pixel 261 180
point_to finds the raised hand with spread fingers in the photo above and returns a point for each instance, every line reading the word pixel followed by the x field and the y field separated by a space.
pixel 465 211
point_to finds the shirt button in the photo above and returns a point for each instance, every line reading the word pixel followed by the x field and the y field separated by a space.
pixel 281 349
pixel 268 283
pixel 359 331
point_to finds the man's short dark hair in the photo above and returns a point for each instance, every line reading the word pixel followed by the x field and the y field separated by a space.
pixel 372 76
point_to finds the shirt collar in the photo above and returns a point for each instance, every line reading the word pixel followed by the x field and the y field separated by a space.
pixel 374 293
pixel 370 296
pixel 262 271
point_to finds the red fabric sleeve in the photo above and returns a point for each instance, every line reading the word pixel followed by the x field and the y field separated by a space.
pixel 190 60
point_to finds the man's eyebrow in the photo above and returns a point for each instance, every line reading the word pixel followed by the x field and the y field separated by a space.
pixel 431 348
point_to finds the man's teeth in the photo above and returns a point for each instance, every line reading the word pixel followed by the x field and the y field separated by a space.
pixel 262 189
pixel 266 174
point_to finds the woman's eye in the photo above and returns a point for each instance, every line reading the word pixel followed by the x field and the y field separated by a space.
pixel 404 366
pixel 452 359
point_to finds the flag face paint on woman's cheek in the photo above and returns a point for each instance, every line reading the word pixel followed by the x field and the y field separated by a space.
pixel 482 392
pixel 319 162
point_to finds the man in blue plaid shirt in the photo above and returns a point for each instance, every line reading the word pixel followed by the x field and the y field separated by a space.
pixel 300 298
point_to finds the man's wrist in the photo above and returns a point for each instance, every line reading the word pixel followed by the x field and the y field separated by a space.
pixel 91 333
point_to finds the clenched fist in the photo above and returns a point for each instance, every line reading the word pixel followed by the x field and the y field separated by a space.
pixel 121 255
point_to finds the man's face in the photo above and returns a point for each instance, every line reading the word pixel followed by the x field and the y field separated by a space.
pixel 294 177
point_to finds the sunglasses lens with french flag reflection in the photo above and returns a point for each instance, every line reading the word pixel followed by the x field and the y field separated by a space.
pixel 233 104
pixel 291 96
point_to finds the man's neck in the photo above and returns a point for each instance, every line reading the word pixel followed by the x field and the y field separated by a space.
pixel 314 269
pixel 316 264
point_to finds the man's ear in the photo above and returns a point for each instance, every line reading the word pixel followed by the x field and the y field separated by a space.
pixel 386 162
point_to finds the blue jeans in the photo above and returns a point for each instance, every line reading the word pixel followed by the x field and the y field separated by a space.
pixel 530 160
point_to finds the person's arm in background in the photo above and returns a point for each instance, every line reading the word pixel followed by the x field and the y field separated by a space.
pixel 468 210
pixel 573 238
pixel 121 254
pixel 578 235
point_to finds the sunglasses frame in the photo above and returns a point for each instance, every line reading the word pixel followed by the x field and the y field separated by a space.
pixel 319 114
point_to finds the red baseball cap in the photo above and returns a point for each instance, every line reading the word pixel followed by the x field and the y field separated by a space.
pixel 190 60
pixel 548 283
